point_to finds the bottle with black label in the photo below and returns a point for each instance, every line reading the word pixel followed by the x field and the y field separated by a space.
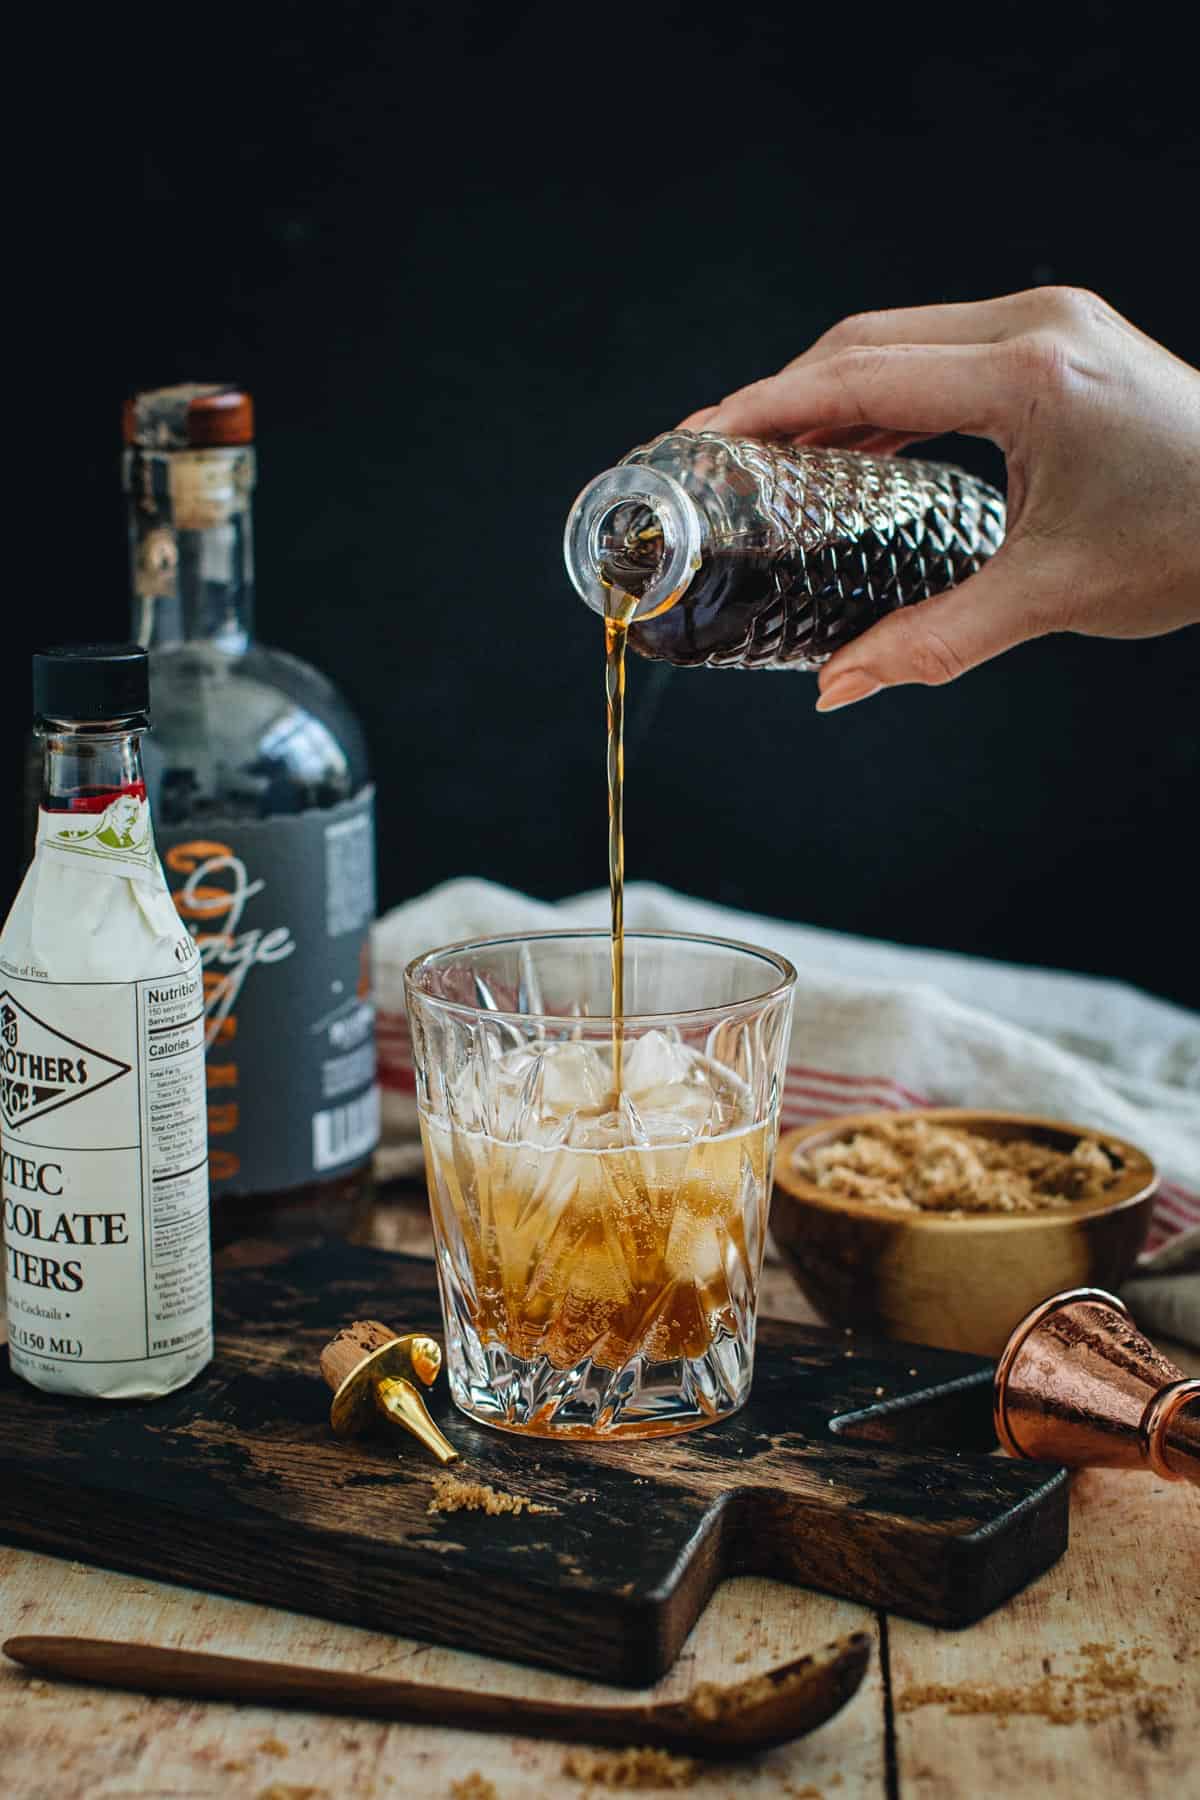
pixel 264 814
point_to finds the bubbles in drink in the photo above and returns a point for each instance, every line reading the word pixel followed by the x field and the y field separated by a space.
pixel 595 1226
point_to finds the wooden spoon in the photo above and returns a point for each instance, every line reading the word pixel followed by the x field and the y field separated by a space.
pixel 749 1716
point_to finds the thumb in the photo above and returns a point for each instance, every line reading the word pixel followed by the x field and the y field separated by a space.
pixel 1008 602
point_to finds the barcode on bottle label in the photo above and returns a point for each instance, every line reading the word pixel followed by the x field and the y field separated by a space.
pixel 349 874
pixel 345 1132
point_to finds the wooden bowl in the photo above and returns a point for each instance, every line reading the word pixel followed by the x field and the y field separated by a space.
pixel 960 1283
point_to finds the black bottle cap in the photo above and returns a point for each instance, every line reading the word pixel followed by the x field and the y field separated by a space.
pixel 91 681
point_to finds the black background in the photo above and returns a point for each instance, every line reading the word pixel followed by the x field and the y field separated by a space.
pixel 466 256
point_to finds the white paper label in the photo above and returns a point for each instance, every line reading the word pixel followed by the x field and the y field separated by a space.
pixel 103 1136
pixel 104 1179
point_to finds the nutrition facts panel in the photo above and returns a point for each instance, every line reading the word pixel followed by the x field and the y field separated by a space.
pixel 105 1179
pixel 174 1164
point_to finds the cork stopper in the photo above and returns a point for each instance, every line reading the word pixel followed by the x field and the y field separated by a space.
pixel 343 1353
pixel 191 416
pixel 372 1371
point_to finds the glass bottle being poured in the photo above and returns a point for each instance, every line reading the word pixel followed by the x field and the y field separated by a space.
pixel 738 554
pixel 699 549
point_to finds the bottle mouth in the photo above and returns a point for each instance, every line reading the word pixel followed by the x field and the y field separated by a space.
pixel 633 530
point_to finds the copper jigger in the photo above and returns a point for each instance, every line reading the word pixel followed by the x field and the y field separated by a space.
pixel 1077 1383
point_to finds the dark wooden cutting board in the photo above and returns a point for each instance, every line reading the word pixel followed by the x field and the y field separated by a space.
pixel 828 1477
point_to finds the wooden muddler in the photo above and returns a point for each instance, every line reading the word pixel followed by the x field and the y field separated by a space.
pixel 372 1371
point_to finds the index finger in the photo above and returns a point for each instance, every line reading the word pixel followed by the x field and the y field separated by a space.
pixel 919 390
pixel 956 322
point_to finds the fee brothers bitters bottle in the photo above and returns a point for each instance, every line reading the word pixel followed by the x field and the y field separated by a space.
pixel 264 812
pixel 106 1225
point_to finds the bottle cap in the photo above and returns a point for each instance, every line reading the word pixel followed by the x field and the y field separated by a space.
pixel 91 681
pixel 191 416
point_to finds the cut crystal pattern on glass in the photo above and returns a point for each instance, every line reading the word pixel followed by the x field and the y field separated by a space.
pixel 599 1255
pixel 751 555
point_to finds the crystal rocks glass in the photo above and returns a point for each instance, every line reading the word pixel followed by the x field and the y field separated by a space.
pixel 598 1253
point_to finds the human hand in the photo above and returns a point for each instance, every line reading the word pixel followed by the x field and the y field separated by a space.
pixel 1100 428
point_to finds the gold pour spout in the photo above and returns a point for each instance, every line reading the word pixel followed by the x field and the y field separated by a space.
pixel 371 1371
pixel 1077 1383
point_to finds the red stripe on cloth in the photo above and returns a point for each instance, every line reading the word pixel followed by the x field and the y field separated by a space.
pixel 855 1081
pixel 1178 1197
pixel 1164 1230
pixel 799 1112
pixel 887 1099
pixel 1173 1221
pixel 398 1081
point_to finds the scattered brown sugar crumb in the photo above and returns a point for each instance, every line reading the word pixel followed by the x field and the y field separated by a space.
pixel 712 1702
pixel 473 1787
pixel 287 1790
pixel 450 1494
pixel 271 1746
pixel 1107 1683
pixel 917 1166
pixel 631 1768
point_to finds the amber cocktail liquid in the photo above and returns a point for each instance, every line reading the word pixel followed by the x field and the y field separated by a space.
pixel 599 1252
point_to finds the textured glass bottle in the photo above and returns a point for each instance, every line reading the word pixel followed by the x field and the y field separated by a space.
pixel 746 555
pixel 258 779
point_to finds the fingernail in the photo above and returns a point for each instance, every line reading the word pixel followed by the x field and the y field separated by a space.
pixel 845 688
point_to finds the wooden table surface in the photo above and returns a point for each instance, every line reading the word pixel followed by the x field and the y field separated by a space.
pixel 1088 1683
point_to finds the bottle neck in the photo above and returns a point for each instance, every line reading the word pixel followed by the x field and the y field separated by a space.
pixel 89 767
pixel 633 530
pixel 191 546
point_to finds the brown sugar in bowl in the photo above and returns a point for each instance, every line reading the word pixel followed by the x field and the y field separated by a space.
pixel 960 1282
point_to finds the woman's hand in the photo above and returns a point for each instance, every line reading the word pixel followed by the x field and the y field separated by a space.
pixel 1100 427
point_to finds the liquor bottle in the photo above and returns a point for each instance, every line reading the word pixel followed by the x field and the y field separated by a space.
pixel 102 1114
pixel 264 809
pixel 749 555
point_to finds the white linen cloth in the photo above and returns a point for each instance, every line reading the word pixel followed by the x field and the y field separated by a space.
pixel 879 1025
